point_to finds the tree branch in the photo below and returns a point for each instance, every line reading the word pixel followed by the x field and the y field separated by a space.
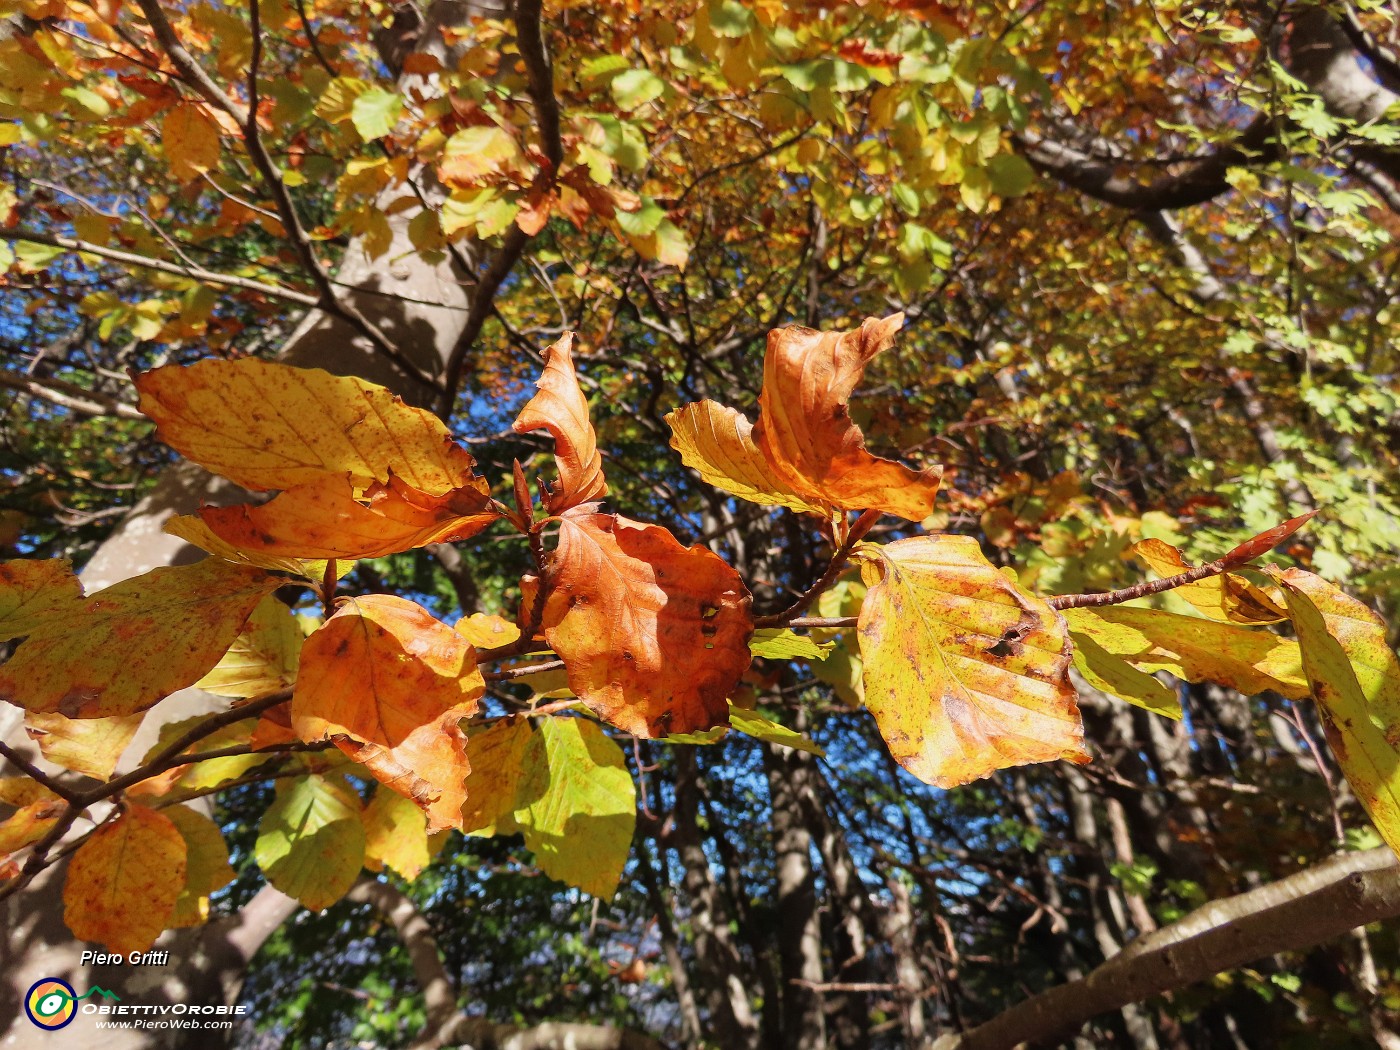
pixel 1291 914
pixel 69 396
pixel 539 71
pixel 145 262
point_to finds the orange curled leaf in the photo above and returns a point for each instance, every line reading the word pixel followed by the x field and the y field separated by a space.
pixel 805 452
pixel 388 683
pixel 560 408
pixel 805 428
pixel 272 426
pixel 654 635
pixel 965 673
pixel 124 880
pixel 324 519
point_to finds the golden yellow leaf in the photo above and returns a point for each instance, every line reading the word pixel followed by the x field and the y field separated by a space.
pixel 190 139
pixel 964 672
pixel 33 592
pixel 1193 648
pixel 272 426
pixel 497 754
pixel 128 646
pixel 192 530
pixel 717 441
pixel 1228 597
pixel 206 864
pixel 124 880
pixel 396 835
pixel 84 745
pixel 485 631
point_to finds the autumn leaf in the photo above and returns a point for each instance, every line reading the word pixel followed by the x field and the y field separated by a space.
pixel 35 592
pixel 201 776
pixel 273 426
pixel 323 519
pixel 396 835
pixel 192 530
pixel 131 645
pixel 577 805
pixel 311 843
pixel 84 745
pixel 560 408
pixel 1227 597
pixel 190 138
pixel 717 442
pixel 1355 679
pixel 206 865
pixel 124 880
pixel 753 724
pixel 497 755
pixel 654 635
pixel 1191 648
pixel 28 824
pixel 389 683
pixel 775 643
pixel 964 672
pixel 263 657
pixel 485 631
pixel 805 452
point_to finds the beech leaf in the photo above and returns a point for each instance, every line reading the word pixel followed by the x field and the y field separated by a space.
pixel 497 756
pixel 1355 679
pixel 206 864
pixel 654 635
pixel 323 519
pixel 965 673
pixel 311 844
pixel 35 592
pixel 190 138
pixel 560 408
pixel 263 657
pixel 577 805
pixel 273 426
pixel 124 880
pixel 1190 647
pixel 389 683
pixel 126 647
pixel 84 745
pixel 1227 597
pixel 805 453
pixel 396 835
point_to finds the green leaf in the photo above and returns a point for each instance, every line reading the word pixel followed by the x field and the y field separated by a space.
pixel 730 18
pixel 636 87
pixel 1010 175
pixel 579 806
pixel 783 643
pixel 1355 678
pixel 1191 647
pixel 1115 676
pixel 644 221
pixel 753 724
pixel 375 113
pixel 602 66
pixel 311 844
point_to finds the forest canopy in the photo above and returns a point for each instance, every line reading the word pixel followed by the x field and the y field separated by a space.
pixel 704 524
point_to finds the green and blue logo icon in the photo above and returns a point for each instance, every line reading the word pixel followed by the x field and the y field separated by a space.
pixel 51 1003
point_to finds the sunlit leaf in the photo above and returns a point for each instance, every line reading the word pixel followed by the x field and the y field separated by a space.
pixel 561 408
pixel 1355 678
pixel 577 805
pixel 123 881
pixel 35 592
pixel 262 658
pixel 136 642
pixel 654 635
pixel 311 843
pixel 272 426
pixel 964 672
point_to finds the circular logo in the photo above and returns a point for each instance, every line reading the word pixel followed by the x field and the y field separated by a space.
pixel 51 1003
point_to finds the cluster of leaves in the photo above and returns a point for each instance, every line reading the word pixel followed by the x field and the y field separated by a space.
pixel 964 671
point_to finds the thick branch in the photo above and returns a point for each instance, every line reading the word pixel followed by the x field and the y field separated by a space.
pixel 540 72
pixel 1292 914
pixel 1193 182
